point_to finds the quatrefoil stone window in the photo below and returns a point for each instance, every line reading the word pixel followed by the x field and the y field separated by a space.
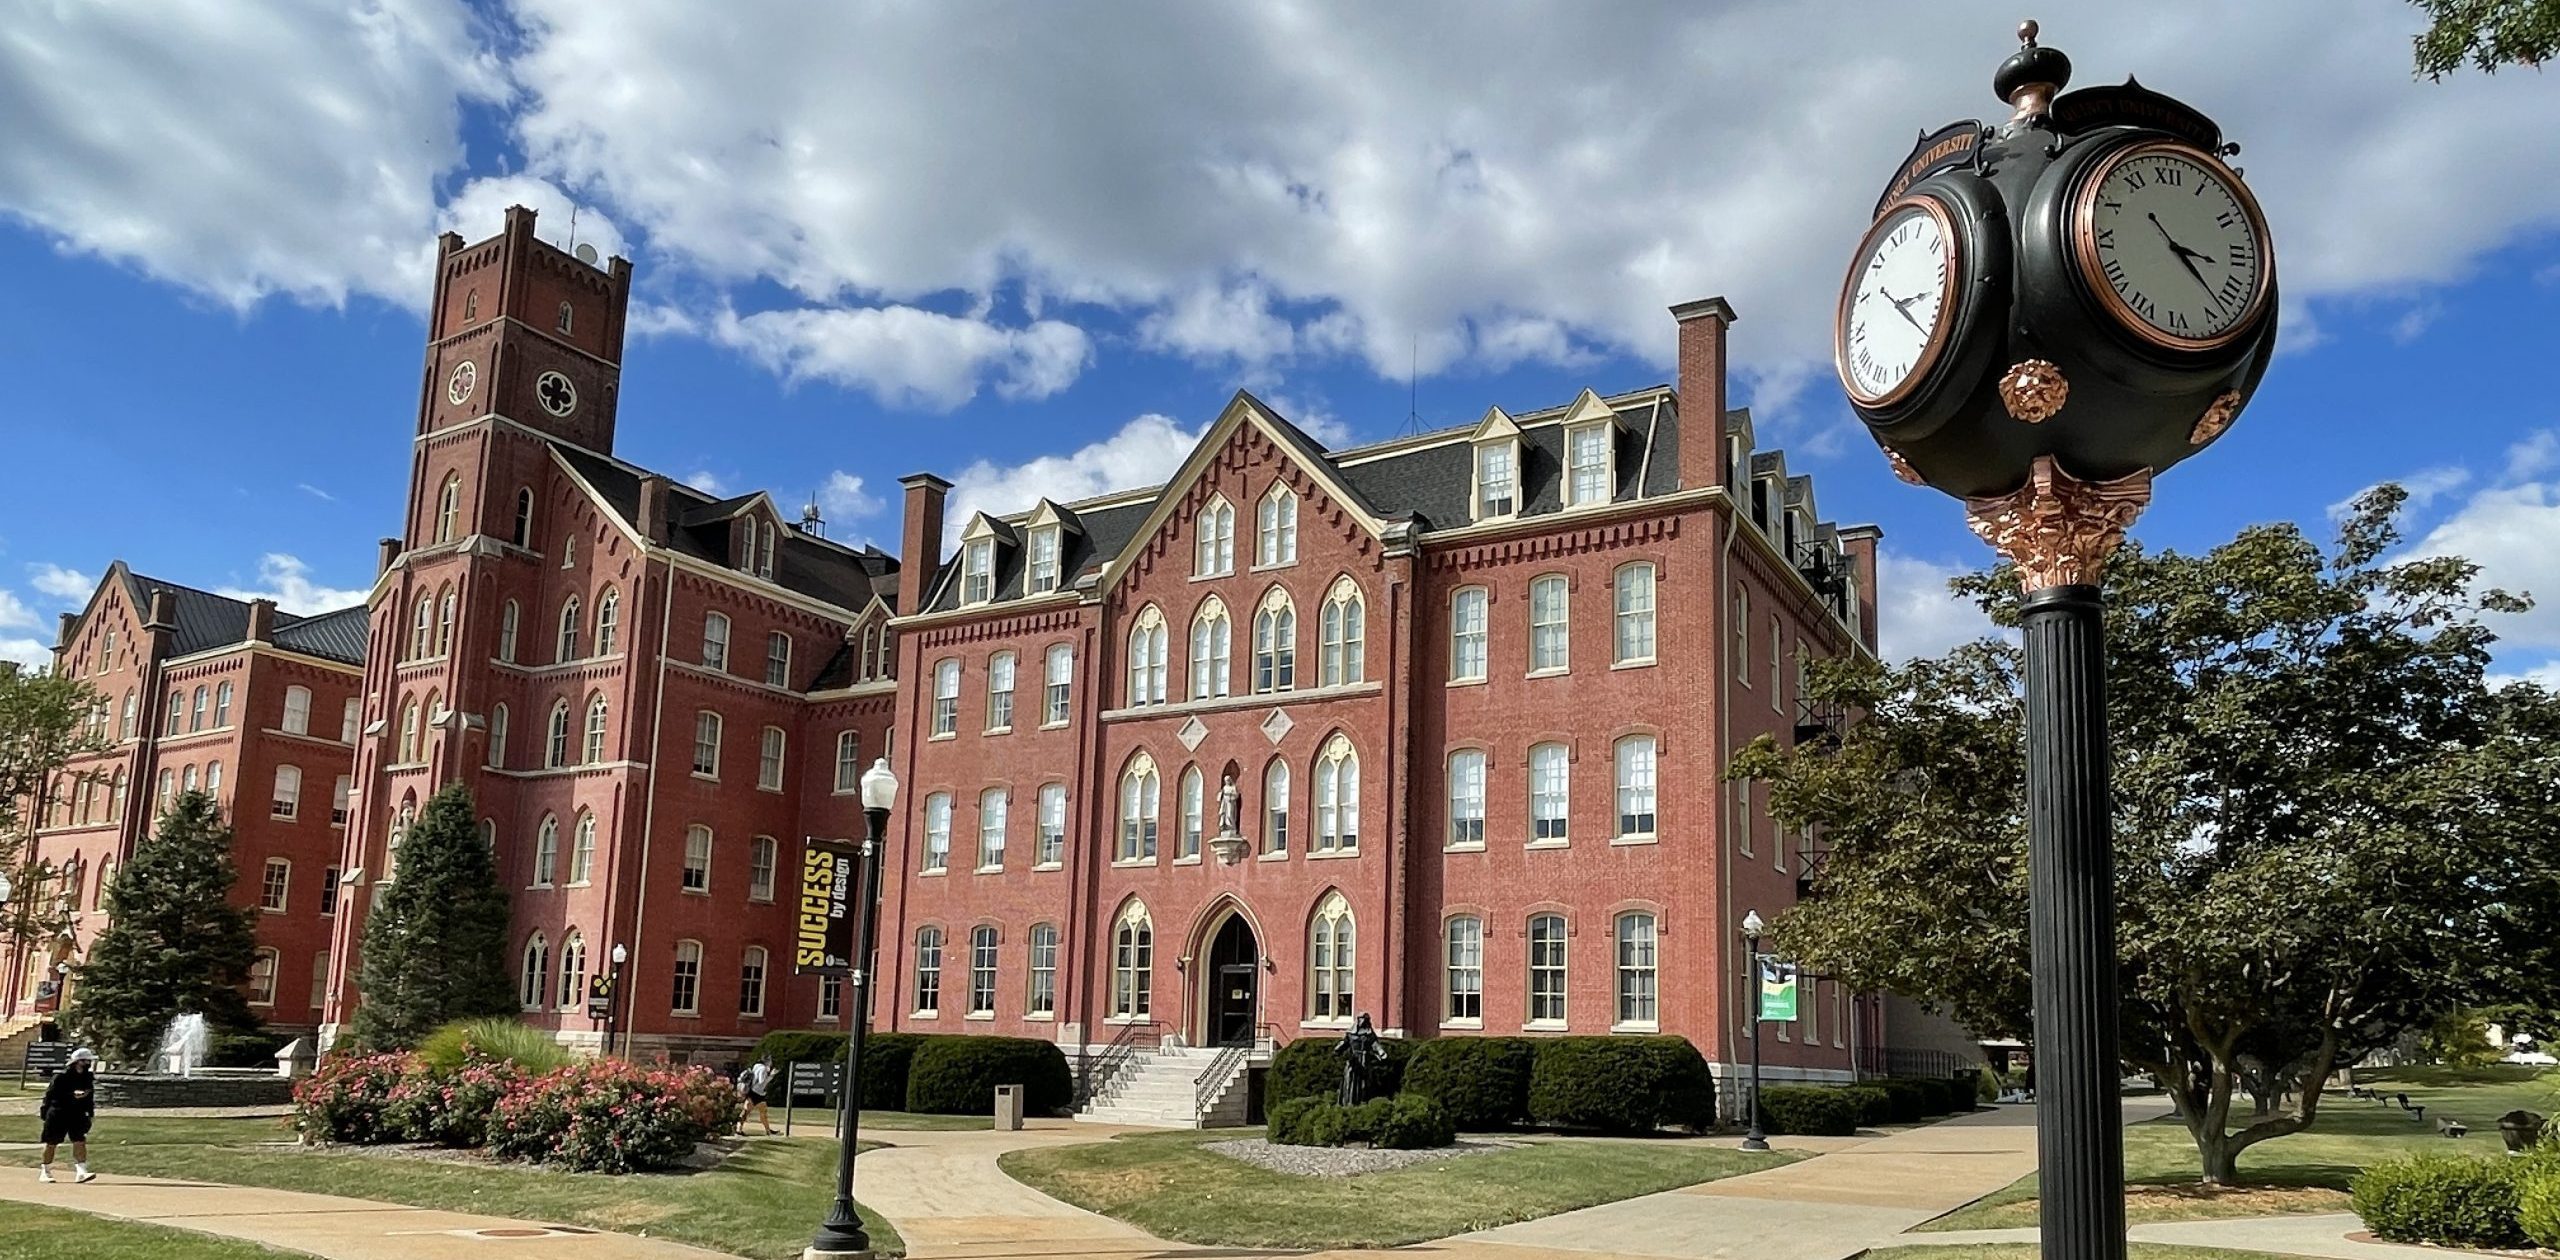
pixel 457 388
pixel 558 396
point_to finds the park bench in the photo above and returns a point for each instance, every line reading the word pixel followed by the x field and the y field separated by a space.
pixel 2451 1127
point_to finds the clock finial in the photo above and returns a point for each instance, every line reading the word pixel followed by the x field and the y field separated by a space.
pixel 2032 76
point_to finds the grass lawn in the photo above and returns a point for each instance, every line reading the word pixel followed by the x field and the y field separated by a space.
pixel 2306 1172
pixel 40 1233
pixel 808 1120
pixel 2027 1251
pixel 762 1202
pixel 1166 1184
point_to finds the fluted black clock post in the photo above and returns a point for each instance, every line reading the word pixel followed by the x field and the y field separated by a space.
pixel 2045 313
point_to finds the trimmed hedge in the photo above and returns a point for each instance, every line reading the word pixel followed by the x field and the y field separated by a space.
pixel 2443 1199
pixel 1621 1084
pixel 1404 1122
pixel 1809 1110
pixel 1481 1082
pixel 957 1076
pixel 2538 1202
pixel 1955 1093
pixel 1414 1122
pixel 1309 1068
pixel 1289 1123
pixel 1874 1105
pixel 1906 1102
pixel 885 1059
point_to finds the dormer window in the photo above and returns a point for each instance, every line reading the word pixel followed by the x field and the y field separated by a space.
pixel 1588 459
pixel 1044 559
pixel 764 559
pixel 978 571
pixel 1497 480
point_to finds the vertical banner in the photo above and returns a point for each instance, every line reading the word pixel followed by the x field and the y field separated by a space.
pixel 1777 991
pixel 823 943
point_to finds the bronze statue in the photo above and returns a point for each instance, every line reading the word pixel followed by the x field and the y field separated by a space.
pixel 1359 1051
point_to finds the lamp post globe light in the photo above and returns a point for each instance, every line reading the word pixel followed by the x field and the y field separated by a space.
pixel 1754 1140
pixel 613 999
pixel 842 1236
pixel 2045 314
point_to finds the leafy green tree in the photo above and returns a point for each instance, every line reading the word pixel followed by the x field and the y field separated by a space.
pixel 2328 826
pixel 173 945
pixel 2487 33
pixel 45 721
pixel 435 948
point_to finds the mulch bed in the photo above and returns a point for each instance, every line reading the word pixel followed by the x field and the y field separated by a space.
pixel 1345 1161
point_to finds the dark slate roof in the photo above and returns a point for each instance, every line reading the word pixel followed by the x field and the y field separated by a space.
pixel 1099 534
pixel 833 573
pixel 207 621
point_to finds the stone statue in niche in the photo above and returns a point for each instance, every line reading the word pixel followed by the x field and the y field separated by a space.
pixel 1228 804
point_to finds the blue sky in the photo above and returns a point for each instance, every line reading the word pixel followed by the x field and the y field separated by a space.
pixel 1035 250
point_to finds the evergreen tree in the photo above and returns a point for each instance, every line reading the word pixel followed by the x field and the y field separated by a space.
pixel 174 944
pixel 435 949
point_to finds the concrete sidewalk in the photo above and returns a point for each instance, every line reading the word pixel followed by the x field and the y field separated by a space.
pixel 2323 1236
pixel 341 1229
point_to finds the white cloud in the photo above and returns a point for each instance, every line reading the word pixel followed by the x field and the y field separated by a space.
pixel 480 208
pixel 287 580
pixel 2547 674
pixel 14 613
pixel 708 482
pixel 27 652
pixel 1916 615
pixel 71 586
pixel 2425 486
pixel 242 151
pixel 2507 530
pixel 844 498
pixel 315 492
pixel 909 357
pixel 2534 456
pixel 1144 452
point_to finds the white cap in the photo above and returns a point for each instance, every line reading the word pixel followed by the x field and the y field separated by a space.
pixel 83 1055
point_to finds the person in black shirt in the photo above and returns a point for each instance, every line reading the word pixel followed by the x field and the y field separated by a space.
pixel 69 1104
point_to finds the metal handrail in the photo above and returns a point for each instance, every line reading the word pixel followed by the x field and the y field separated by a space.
pixel 1214 1078
pixel 1095 1072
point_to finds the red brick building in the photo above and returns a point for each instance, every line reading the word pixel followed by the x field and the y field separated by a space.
pixel 1473 691
pixel 256 707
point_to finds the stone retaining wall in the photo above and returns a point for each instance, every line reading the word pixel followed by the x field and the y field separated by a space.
pixel 193 1091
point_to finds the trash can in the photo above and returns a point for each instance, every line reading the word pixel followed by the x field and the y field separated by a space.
pixel 2521 1129
pixel 1008 1107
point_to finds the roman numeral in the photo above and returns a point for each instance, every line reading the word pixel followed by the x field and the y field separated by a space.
pixel 2171 176
pixel 2112 205
pixel 2232 290
pixel 2142 305
pixel 2134 181
pixel 2227 218
pixel 2240 255
pixel 2178 320
pixel 2106 238
pixel 2115 273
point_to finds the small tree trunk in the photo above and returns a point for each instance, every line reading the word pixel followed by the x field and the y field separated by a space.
pixel 2220 1157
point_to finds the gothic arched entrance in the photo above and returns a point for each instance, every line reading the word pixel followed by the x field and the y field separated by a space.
pixel 1231 1002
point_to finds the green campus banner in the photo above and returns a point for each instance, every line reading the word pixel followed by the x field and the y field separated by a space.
pixel 1777 991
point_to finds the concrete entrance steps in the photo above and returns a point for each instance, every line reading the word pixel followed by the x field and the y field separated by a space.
pixel 15 1036
pixel 1160 1089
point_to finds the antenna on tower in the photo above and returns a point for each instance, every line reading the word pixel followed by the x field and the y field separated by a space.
pixel 1413 390
pixel 810 520
pixel 573 228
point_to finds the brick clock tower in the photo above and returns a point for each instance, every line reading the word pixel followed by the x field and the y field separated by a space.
pixel 524 350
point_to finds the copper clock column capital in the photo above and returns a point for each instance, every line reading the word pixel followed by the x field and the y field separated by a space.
pixel 2217 417
pixel 2058 529
pixel 2033 389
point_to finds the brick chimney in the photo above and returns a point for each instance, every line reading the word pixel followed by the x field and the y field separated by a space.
pixel 162 624
pixel 389 550
pixel 920 549
pixel 1702 406
pixel 262 621
pixel 1859 543
pixel 653 523
pixel 62 632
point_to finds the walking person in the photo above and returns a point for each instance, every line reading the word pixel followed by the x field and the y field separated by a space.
pixel 70 1102
pixel 757 1082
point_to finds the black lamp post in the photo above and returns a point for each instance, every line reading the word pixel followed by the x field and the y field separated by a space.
pixel 1754 1140
pixel 613 995
pixel 842 1236
pixel 2046 313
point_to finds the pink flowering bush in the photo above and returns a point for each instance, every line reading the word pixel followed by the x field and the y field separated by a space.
pixel 349 1098
pixel 450 1108
pixel 608 1116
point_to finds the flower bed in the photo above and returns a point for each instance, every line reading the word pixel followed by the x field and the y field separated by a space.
pixel 590 1116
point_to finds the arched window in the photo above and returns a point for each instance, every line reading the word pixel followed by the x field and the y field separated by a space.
pixel 116 803
pixel 1549 627
pixel 706 744
pixel 751 982
pixel 1638 971
pixel 565 317
pixel 196 711
pixel 1635 762
pixel 132 714
pixel 715 641
pixel 928 971
pixel 297 709
pixel 498 737
pixel 595 729
pixel 1466 799
pixel 993 805
pixel 262 978
pixel 537 973
pixel 1340 631
pixel 573 970
pixel 1193 804
pixel 769 756
pixel 508 617
pixel 568 647
pixel 213 778
pixel 1133 962
pixel 582 848
pixel 1275 643
pixel 848 762
pixel 471 305
pixel 697 859
pixel 1464 984
pixel 1275 807
pixel 686 998
pixel 569 551
pixel 982 970
pixel 187 783
pixel 1058 685
pixel 1275 534
pixel 1139 792
pixel 1546 969
pixel 546 852
pixel 1044 970
pixel 764 561
pixel 1337 797
pixel 1634 585
pixel 937 831
pixel 1000 691
pixel 177 711
pixel 349 714
pixel 1214 553
pixel 448 507
pixel 946 697
pixel 524 516
pixel 288 798
pixel 1212 638
pixel 1331 954
pixel 222 705
pixel 1146 658
pixel 609 621
pixel 556 749
pixel 1549 796
pixel 275 884
pixel 444 621
pixel 764 859
pixel 409 734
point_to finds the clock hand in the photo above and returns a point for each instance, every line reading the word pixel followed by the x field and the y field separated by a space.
pixel 1902 307
pixel 2186 257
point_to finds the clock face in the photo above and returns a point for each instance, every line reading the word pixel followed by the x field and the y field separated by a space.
pixel 2174 246
pixel 458 387
pixel 558 396
pixel 1899 304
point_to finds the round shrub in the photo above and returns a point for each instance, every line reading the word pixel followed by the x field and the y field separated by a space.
pixel 1906 1102
pixel 1361 1123
pixel 608 1116
pixel 1810 1110
pixel 1481 1082
pixel 1621 1084
pixel 1414 1122
pixel 345 1099
pixel 497 1040
pixel 1957 1093
pixel 1874 1106
pixel 1309 1068
pixel 957 1076
pixel 2441 1199
pixel 2538 1202
pixel 451 1108
pixel 1289 1122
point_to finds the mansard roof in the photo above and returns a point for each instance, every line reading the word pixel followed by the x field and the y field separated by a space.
pixel 824 570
